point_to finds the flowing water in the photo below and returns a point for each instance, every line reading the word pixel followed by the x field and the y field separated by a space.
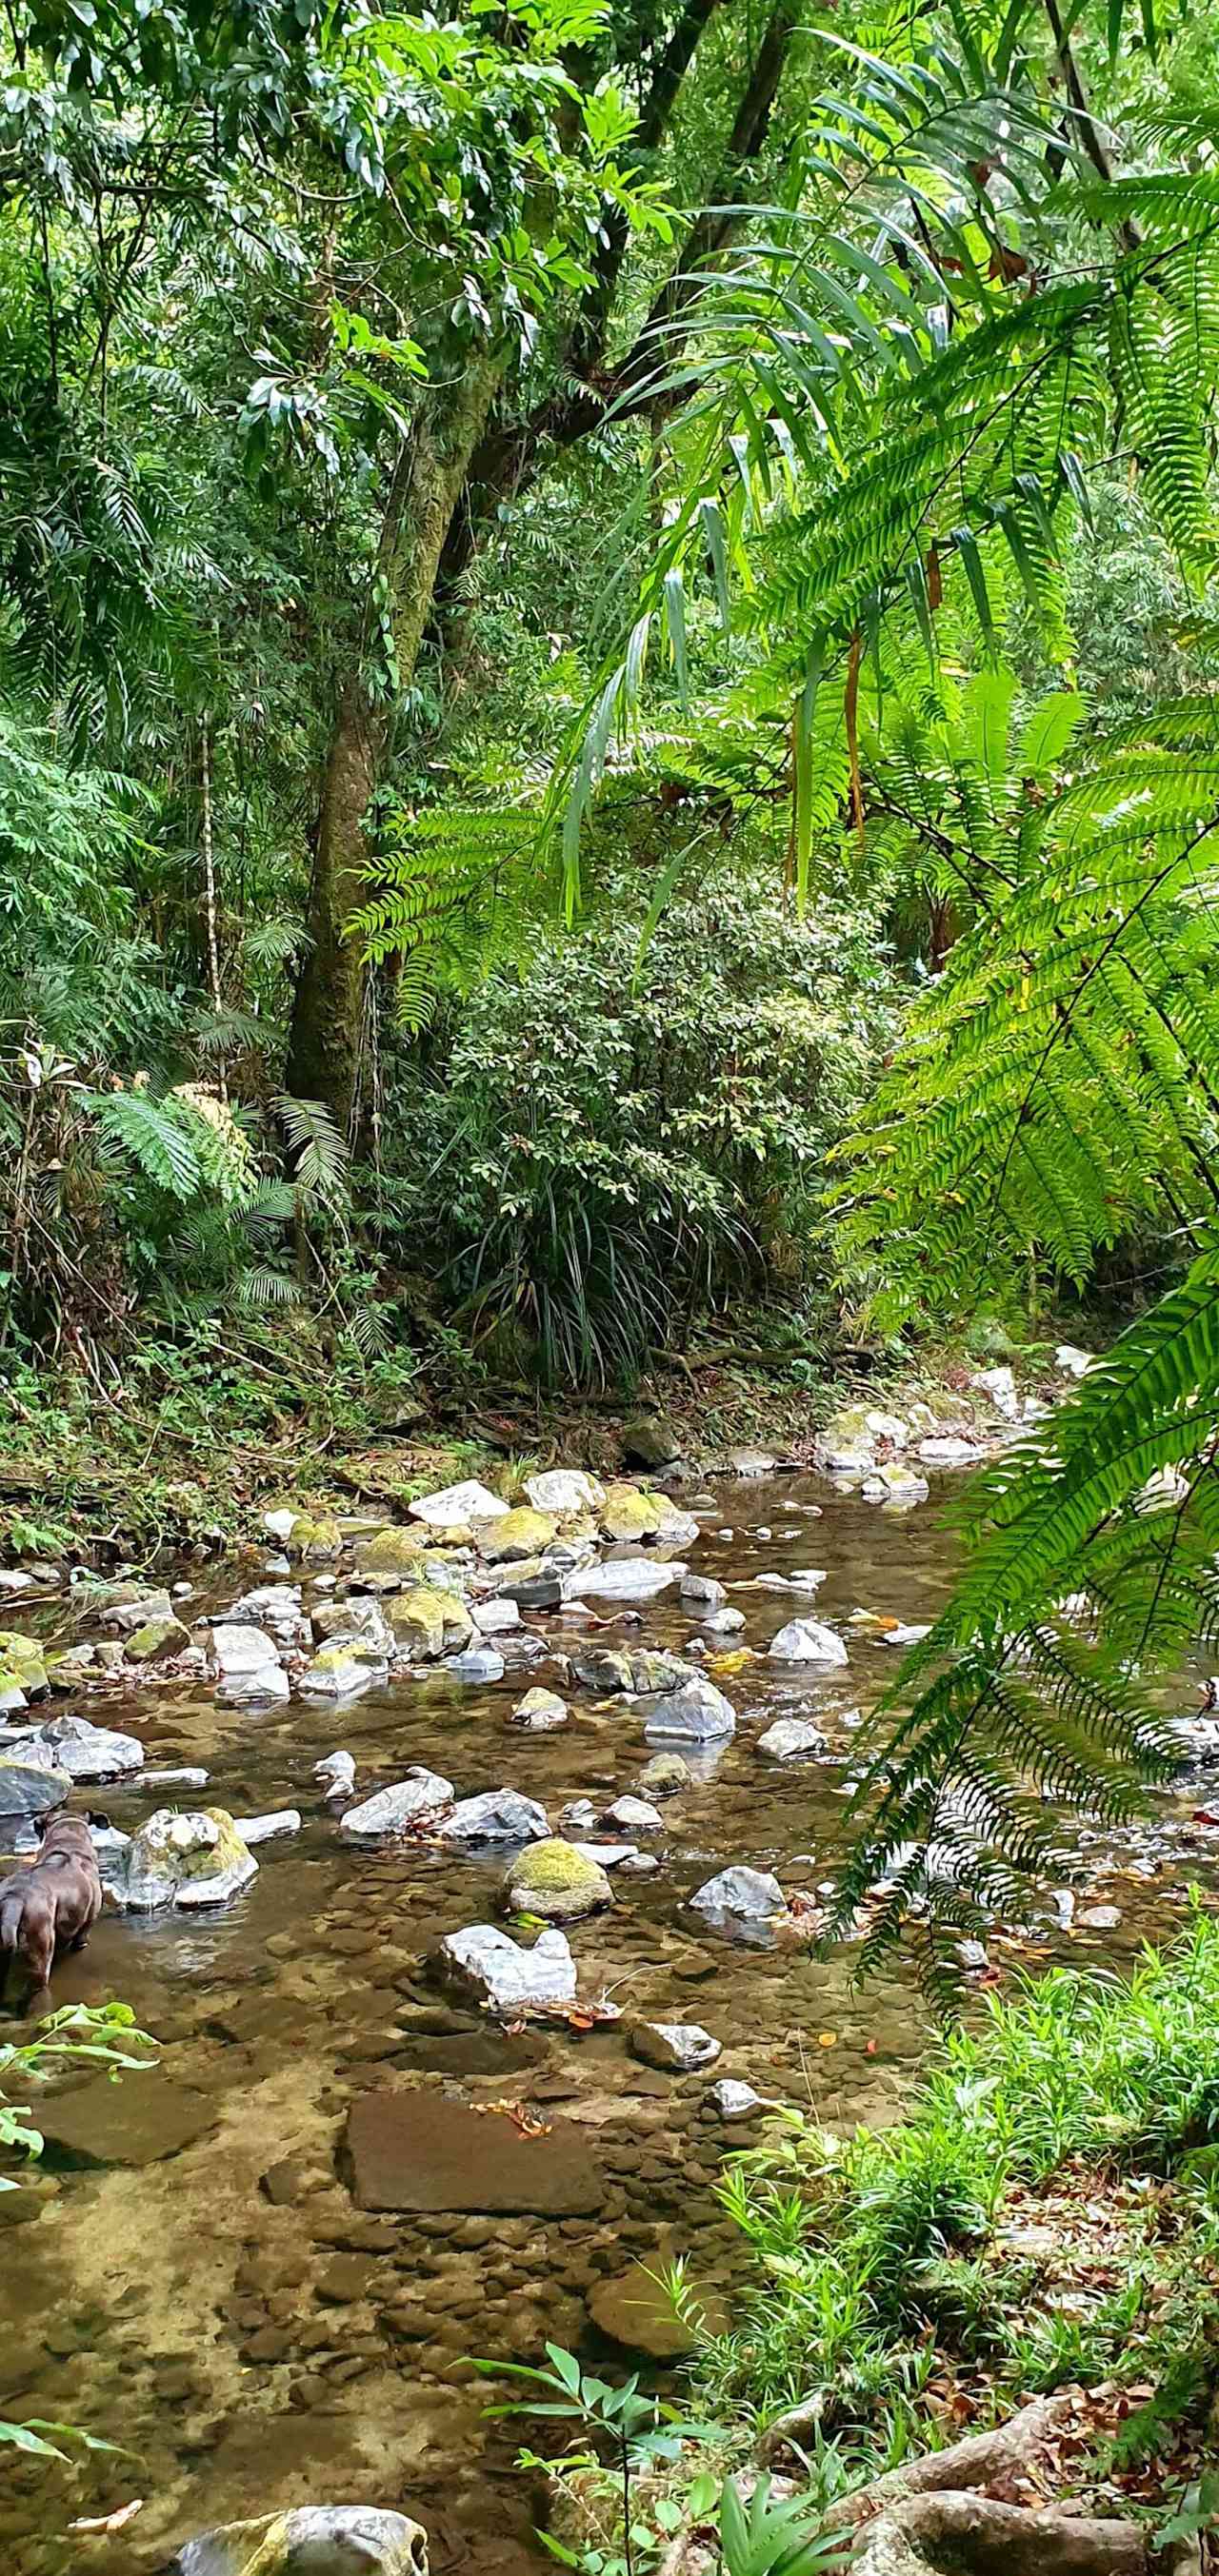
pixel 212 2298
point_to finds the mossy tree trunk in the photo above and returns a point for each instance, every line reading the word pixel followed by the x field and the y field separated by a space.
pixel 328 1008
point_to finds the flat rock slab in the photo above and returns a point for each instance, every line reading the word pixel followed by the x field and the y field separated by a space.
pixel 409 2150
pixel 137 2121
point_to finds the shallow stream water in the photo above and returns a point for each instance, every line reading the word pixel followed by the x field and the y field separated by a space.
pixel 212 2298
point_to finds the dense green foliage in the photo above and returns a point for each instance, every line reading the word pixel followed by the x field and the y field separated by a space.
pixel 880 2256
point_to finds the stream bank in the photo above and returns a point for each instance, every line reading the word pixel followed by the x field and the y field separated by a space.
pixel 200 2274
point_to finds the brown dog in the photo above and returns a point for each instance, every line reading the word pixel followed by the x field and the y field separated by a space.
pixel 54 1904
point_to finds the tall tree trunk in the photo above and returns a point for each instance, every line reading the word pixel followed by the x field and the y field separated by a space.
pixel 327 1012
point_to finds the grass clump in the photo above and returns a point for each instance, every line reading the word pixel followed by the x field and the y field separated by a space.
pixel 1046 2213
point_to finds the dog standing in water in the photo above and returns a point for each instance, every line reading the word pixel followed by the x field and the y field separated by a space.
pixel 52 1905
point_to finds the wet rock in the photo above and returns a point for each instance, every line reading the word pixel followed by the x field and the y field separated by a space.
pixel 790 1739
pixel 1101 1918
pixel 458 1506
pixel 536 1592
pixel 807 1641
pixel 128 1606
pixel 752 1462
pixel 480 1664
pixel 419 2150
pixel 635 2311
pixel 184 1860
pixel 698 1713
pixel 677 2047
pixel 358 1618
pixel 324 2540
pixel 625 1578
pixel 266 1829
pixel 485 1962
pixel 579 1816
pixel 540 1712
pixel 565 1492
pixel 89 1752
pixel 724 1623
pixel 735 2101
pixel 499 1816
pixel 635 1816
pixel 343 1670
pixel 275 1607
pixel 519 1533
pixel 137 2120
pixel 243 1651
pixel 496 1618
pixel 745 1895
pixel 422 1796
pixel 337 1773
pixel 611 1668
pixel 703 1589
pixel 156 1640
pixel 649 1440
pixel 554 1879
pixel 428 1622
pixel 612 1855
pixel 675 1527
pixel 191 1778
pixel 627 1513
pixel 948 1450
pixel 897 1486
pixel 665 1775
pixel 30 1786
pixel 1000 1385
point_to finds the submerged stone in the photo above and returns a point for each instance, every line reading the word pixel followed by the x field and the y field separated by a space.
pixel 419 2150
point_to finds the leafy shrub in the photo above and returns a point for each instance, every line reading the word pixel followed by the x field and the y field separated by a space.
pixel 620 1137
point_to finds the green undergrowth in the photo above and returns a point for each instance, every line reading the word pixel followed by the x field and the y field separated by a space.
pixel 1047 2212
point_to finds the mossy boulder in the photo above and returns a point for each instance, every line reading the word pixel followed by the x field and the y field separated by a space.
pixel 554 1879
pixel 665 1775
pixel 392 1556
pixel 628 1513
pixel 156 1641
pixel 22 1666
pixel 185 1859
pixel 428 1623
pixel 314 1538
pixel 518 1533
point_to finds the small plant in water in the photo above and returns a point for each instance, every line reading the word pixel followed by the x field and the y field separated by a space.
pixel 104 2038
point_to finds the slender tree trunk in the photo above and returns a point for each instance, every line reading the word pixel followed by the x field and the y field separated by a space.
pixel 324 1045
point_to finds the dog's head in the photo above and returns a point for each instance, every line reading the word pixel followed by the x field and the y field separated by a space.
pixel 69 1835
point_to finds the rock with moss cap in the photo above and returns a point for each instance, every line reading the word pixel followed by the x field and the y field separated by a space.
pixel 390 1559
pixel 665 1775
pixel 325 2540
pixel 556 1881
pixel 23 1671
pixel 428 1622
pixel 188 1860
pixel 156 1641
pixel 519 1533
pixel 628 1513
